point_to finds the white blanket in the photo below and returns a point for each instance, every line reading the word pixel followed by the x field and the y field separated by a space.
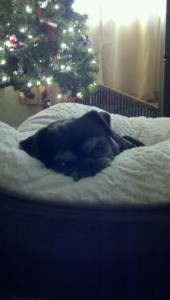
pixel 140 175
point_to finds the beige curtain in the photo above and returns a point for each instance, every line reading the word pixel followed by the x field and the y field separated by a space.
pixel 126 33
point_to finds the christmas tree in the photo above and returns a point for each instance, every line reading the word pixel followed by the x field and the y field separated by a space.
pixel 43 42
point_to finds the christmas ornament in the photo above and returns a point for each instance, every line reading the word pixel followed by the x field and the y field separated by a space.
pixel 20 68
pixel 55 63
pixel 84 41
pixel 48 22
pixel 13 43
pixel 39 72
pixel 46 100
pixel 43 4
pixel 72 99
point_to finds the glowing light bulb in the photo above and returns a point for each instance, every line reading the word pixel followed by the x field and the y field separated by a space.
pixel 62 67
pixel 23 29
pixel 3 62
pixel 28 9
pixel 79 95
pixel 30 36
pixel 38 82
pixel 90 50
pixel 29 84
pixel 59 96
pixel 63 46
pixel 71 29
pixel 56 6
pixel 68 68
pixel 49 80
pixel 4 78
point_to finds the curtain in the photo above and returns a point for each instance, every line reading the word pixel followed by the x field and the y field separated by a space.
pixel 126 33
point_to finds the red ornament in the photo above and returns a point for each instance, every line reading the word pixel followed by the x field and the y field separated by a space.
pixel 44 18
pixel 13 43
pixel 72 99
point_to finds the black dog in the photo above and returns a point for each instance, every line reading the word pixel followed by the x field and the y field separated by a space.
pixel 79 147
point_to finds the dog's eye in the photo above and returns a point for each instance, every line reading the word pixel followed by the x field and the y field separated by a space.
pixel 101 145
pixel 62 164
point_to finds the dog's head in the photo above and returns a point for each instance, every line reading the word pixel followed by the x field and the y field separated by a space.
pixel 79 147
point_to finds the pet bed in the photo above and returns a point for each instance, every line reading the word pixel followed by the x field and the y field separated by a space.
pixel 103 237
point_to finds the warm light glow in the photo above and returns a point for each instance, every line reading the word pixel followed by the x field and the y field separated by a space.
pixel 79 95
pixel 28 9
pixel 3 62
pixel 49 80
pixel 71 29
pixel 62 67
pixel 4 78
pixel 23 29
pixel 68 68
pixel 120 11
pixel 63 46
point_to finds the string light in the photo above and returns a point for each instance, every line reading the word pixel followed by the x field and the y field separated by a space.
pixel 59 96
pixel 4 78
pixel 62 67
pixel 28 9
pixel 23 29
pixel 3 62
pixel 56 6
pixel 79 95
pixel 68 68
pixel 63 46
pixel 29 84
pixel 49 80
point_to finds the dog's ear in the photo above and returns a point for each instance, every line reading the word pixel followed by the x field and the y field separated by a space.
pixel 31 145
pixel 105 117
pixel 95 117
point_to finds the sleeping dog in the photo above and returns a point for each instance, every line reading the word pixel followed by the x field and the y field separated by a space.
pixel 79 147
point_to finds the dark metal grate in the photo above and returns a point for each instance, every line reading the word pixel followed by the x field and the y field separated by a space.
pixel 122 104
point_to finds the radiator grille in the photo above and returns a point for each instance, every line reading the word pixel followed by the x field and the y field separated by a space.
pixel 122 104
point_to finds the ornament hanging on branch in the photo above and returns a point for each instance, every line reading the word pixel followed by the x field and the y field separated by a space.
pixel 44 3
pixel 20 68
pixel 55 63
pixel 13 44
pixel 39 72
pixel 46 20
pixel 84 42
pixel 46 100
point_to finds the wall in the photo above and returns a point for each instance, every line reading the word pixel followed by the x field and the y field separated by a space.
pixel 11 111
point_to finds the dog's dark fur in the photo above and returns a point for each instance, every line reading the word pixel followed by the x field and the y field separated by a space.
pixel 79 147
